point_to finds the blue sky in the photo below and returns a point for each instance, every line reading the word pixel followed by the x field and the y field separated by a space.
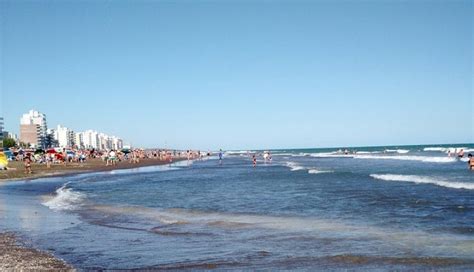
pixel 243 74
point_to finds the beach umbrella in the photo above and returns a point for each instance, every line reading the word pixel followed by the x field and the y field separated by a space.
pixel 51 151
pixel 3 161
pixel 125 151
pixel 39 151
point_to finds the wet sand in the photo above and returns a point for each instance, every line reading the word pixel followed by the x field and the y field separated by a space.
pixel 17 170
pixel 15 257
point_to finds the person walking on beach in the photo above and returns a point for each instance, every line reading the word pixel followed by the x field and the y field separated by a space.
pixel 112 158
pixel 48 160
pixel 64 153
pixel 27 164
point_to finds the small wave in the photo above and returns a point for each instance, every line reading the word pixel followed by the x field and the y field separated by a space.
pixel 424 180
pixel 447 149
pixel 294 166
pixel 65 199
pixel 408 158
pixel 317 171
pixel 241 152
pixel 441 149
pixel 399 151
pixel 331 155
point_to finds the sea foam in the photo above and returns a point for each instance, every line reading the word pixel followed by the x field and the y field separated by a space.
pixel 409 158
pixel 317 171
pixel 446 149
pixel 65 199
pixel 424 180
pixel 400 151
pixel 294 166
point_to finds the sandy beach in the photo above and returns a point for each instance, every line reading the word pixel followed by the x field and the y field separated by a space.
pixel 17 171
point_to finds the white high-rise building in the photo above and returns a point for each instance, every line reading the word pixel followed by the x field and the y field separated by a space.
pixel 91 139
pixel 79 139
pixel 117 143
pixel 105 142
pixel 64 136
pixel 33 128
pixel 101 141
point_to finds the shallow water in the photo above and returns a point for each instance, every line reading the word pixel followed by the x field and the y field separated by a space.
pixel 386 207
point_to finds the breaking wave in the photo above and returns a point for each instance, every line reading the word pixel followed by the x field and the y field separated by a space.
pixel 400 151
pixel 317 171
pixel 446 149
pixel 409 158
pixel 294 166
pixel 424 180
pixel 331 155
pixel 65 199
pixel 311 170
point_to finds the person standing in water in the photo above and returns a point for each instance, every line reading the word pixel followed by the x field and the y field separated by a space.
pixel 254 158
pixel 220 156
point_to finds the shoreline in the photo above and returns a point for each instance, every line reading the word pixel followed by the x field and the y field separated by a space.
pixel 14 255
pixel 91 166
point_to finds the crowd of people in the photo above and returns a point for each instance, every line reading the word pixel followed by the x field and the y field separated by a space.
pixel 63 156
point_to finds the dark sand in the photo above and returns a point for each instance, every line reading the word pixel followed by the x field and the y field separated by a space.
pixel 15 257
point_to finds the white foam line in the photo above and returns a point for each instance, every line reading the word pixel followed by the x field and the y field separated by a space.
pixel 317 171
pixel 424 180
pixel 408 158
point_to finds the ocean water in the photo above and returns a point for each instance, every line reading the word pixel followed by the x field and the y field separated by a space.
pixel 409 207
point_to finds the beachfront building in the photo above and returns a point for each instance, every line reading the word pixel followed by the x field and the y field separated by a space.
pixel 104 141
pixel 79 139
pixel 64 136
pixel 10 135
pixel 91 139
pixel 117 143
pixel 97 140
pixel 33 129
pixel 31 134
